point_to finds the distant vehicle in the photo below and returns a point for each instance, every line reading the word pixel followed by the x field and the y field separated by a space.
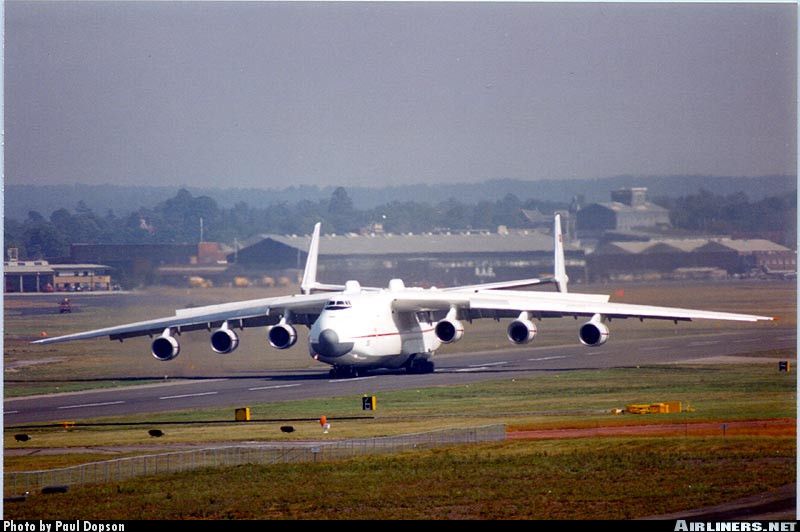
pixel 195 281
pixel 355 328
pixel 778 274
pixel 64 306
pixel 241 282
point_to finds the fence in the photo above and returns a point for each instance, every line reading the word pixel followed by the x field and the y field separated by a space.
pixel 254 453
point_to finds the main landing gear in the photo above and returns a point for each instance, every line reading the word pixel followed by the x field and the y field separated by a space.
pixel 420 365
pixel 346 372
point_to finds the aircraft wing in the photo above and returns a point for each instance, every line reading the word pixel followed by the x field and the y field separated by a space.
pixel 502 284
pixel 252 313
pixel 551 305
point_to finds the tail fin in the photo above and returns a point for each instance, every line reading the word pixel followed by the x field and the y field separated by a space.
pixel 560 270
pixel 310 273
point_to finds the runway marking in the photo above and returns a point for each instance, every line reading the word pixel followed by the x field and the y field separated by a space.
pixel 487 364
pixel 697 344
pixel 464 370
pixel 655 348
pixel 354 379
pixel 785 338
pixel 87 405
pixel 11 412
pixel 547 358
pixel 188 395
pixel 273 387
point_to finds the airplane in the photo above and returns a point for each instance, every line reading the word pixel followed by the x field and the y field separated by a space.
pixel 769 273
pixel 355 329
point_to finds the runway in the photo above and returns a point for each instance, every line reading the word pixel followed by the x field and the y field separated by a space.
pixel 456 368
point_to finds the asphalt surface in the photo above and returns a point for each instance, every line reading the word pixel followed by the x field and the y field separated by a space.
pixel 456 368
pixel 777 505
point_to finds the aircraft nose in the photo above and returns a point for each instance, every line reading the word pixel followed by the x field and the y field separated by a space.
pixel 328 344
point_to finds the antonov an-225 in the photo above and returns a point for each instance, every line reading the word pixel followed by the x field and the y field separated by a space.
pixel 355 328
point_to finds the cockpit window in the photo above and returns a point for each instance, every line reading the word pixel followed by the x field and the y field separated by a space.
pixel 337 305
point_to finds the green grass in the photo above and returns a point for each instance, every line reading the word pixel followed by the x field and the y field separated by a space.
pixel 568 479
pixel 551 400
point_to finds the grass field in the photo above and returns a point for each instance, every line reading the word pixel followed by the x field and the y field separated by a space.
pixel 552 400
pixel 569 479
pixel 33 369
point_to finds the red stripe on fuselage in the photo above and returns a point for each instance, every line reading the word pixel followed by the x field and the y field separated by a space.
pixel 390 334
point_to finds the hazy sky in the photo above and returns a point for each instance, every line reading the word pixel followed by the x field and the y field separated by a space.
pixel 274 94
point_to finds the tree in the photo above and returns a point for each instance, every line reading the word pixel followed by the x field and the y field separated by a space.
pixel 340 203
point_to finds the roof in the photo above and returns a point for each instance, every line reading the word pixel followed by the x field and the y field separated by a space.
pixel 393 244
pixel 689 245
pixel 80 267
pixel 751 245
pixel 536 217
pixel 27 267
pixel 623 208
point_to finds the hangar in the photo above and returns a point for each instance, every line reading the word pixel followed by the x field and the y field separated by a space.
pixel 616 260
pixel 426 259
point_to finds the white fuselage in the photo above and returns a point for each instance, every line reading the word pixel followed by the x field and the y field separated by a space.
pixel 363 330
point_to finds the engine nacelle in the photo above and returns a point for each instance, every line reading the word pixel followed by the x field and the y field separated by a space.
pixel 224 341
pixel 282 336
pixel 165 348
pixel 521 331
pixel 449 331
pixel 593 333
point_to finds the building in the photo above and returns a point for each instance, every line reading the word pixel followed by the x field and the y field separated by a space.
pixel 663 258
pixel 41 276
pixel 628 210
pixel 91 277
pixel 536 220
pixel 143 263
pixel 28 276
pixel 443 259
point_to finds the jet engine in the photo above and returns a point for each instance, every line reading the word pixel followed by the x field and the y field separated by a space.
pixel 282 336
pixel 165 347
pixel 593 333
pixel 449 331
pixel 224 341
pixel 521 331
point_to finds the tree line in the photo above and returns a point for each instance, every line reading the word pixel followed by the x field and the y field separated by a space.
pixel 177 219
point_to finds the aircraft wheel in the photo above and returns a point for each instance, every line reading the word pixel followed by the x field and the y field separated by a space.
pixel 346 372
pixel 419 366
